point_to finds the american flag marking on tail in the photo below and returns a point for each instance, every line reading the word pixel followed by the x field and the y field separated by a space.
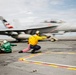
pixel 7 24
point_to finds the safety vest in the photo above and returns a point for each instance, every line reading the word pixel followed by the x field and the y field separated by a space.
pixel 7 47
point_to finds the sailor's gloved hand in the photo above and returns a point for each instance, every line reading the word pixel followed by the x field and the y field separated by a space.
pixel 15 45
pixel 48 36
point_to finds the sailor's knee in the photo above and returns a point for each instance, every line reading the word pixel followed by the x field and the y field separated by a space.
pixel 39 47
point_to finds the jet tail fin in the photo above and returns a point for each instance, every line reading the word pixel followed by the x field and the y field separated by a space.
pixel 6 24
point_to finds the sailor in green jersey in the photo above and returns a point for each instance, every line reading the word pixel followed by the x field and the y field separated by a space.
pixel 6 47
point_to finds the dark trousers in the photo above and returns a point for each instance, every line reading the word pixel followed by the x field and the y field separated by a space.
pixel 35 48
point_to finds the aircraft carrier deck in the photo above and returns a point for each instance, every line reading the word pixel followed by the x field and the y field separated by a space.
pixel 56 58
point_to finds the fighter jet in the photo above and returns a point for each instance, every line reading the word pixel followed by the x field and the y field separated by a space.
pixel 23 33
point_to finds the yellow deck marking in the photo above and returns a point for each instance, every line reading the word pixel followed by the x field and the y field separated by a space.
pixel 51 64
pixel 71 68
pixel 61 53
pixel 26 60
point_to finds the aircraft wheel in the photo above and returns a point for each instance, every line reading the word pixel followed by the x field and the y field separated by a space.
pixel 19 40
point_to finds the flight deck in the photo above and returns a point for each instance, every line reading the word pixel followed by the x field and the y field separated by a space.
pixel 56 58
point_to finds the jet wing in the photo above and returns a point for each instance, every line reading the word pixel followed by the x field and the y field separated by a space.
pixel 28 30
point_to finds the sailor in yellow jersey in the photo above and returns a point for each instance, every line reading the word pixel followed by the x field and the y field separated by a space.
pixel 33 41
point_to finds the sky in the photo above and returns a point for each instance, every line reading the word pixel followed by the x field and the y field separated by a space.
pixel 38 10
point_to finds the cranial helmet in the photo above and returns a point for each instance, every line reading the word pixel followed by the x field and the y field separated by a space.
pixel 37 32
pixel 4 41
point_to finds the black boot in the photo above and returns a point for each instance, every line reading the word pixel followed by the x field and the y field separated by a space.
pixel 20 52
pixel 33 51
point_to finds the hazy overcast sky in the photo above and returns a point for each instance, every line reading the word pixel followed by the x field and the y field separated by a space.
pixel 37 10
